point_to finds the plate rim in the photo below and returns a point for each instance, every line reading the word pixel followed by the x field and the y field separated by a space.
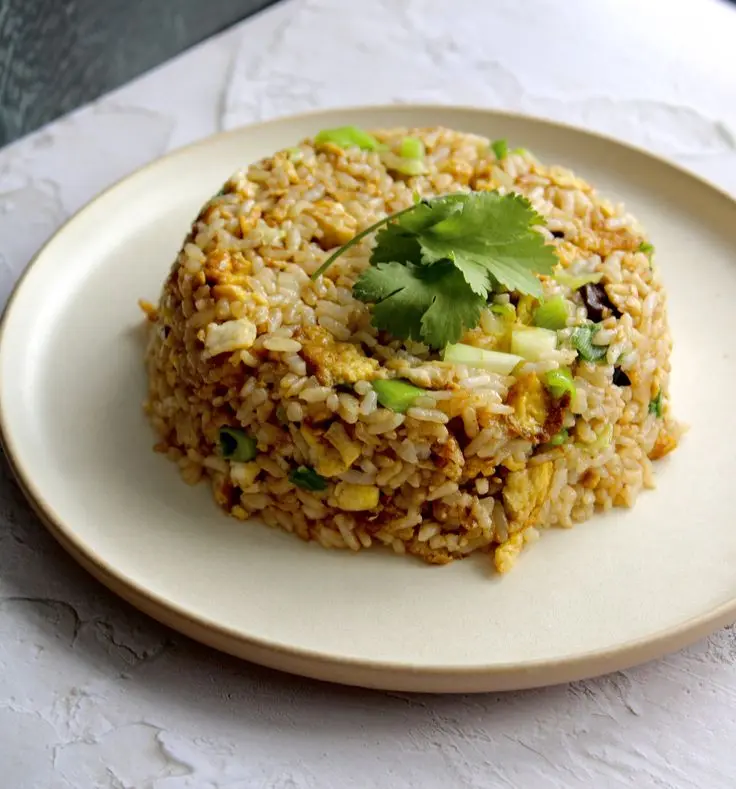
pixel 364 672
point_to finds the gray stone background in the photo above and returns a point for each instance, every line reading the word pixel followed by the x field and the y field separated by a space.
pixel 56 55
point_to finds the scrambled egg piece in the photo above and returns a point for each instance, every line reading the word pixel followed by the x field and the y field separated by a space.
pixel 604 242
pixel 326 460
pixel 478 467
pixel 524 494
pixel 349 450
pixel 513 464
pixel 149 309
pixel 244 474
pixel 664 444
pixel 479 339
pixel 450 459
pixel 332 361
pixel 537 415
pixel 333 458
pixel 225 268
pixel 355 498
pixel 505 556
pixel 337 225
pixel 229 336
pixel 430 555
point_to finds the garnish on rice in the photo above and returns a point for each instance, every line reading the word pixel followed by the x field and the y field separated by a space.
pixel 436 263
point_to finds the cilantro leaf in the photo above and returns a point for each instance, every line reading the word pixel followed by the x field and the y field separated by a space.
pixel 428 213
pixel 453 311
pixel 474 273
pixel 430 304
pixel 491 233
pixel 400 239
pixel 486 235
pixel 434 263
pixel 394 243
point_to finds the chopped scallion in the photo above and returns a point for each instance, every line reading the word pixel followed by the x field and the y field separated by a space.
pixel 237 445
pixel 601 441
pixel 576 281
pixel 405 166
pixel 493 361
pixel 411 148
pixel 506 311
pixel 551 314
pixel 347 136
pixel 533 344
pixel 559 382
pixel 582 341
pixel 558 438
pixel 655 405
pixel 307 478
pixel 396 395
pixel 500 148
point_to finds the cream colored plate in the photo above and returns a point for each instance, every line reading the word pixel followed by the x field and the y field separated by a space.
pixel 617 590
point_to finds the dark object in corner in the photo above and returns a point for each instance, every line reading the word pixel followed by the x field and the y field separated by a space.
pixel 56 56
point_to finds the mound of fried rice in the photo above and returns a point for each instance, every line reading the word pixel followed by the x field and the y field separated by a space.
pixel 242 338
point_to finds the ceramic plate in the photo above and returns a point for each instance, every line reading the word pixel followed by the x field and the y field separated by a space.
pixel 620 589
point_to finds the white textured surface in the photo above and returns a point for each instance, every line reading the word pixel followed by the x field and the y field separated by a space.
pixel 92 694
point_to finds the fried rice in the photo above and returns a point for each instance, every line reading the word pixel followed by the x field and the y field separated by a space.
pixel 243 340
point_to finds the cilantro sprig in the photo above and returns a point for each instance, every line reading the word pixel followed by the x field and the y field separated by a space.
pixel 435 263
pixel 430 304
